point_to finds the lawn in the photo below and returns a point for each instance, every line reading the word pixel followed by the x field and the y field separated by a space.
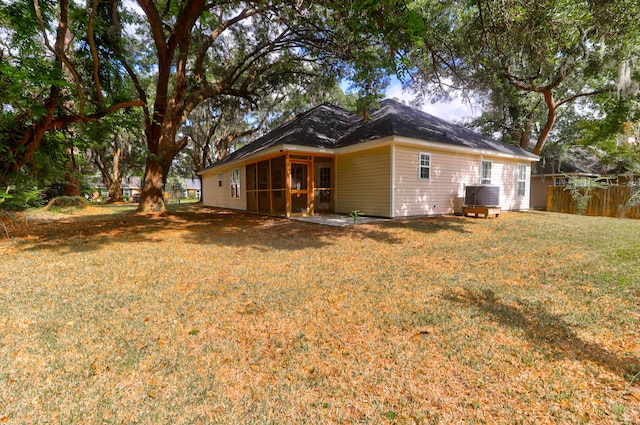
pixel 205 316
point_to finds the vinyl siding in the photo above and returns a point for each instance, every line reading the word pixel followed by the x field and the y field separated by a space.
pixel 216 196
pixel 363 182
pixel 540 191
pixel 443 192
pixel 450 173
pixel 505 174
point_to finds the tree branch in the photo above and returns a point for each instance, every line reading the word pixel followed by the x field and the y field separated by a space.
pixel 61 34
pixel 579 95
pixel 94 51
pixel 199 73
pixel 62 122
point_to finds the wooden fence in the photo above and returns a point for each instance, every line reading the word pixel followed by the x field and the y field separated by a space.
pixel 605 202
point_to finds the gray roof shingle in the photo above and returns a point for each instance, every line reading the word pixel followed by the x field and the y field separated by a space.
pixel 328 126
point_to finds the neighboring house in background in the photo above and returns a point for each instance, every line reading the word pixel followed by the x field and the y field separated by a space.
pixel 401 162
pixel 579 162
pixel 130 187
pixel 191 188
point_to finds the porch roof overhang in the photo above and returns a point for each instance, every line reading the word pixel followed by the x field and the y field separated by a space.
pixel 271 151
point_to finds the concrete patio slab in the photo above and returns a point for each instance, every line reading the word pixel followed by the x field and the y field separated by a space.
pixel 338 220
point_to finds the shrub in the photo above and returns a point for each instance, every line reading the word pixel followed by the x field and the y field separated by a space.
pixel 18 199
pixel 580 189
pixel 67 202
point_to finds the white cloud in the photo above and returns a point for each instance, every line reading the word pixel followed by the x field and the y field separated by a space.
pixel 455 110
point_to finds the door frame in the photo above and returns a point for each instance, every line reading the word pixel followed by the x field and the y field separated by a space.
pixel 308 191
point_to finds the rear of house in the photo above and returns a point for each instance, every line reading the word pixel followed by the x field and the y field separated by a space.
pixel 401 163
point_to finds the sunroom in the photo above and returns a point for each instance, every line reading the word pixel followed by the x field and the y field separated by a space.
pixel 291 184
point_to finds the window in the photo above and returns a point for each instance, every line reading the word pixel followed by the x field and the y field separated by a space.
pixel 220 180
pixel 486 172
pixel 235 183
pixel 424 167
pixel 560 181
pixel 522 180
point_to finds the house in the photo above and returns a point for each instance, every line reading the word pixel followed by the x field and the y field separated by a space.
pixel 191 188
pixel 576 162
pixel 130 186
pixel 400 162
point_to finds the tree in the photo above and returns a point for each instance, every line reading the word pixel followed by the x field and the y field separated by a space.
pixel 215 129
pixel 50 85
pixel 213 51
pixel 116 149
pixel 528 59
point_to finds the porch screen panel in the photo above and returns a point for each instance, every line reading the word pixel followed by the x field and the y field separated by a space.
pixel 252 201
pixel 264 204
pixel 299 203
pixel 263 175
pixel 323 187
pixel 278 186
pixel 252 195
pixel 251 176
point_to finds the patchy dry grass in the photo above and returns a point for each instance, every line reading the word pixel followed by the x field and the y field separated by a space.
pixel 205 316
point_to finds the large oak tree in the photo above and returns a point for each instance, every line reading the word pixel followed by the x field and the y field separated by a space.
pixel 211 51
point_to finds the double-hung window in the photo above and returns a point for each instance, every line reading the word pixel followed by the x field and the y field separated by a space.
pixel 485 172
pixel 424 167
pixel 522 180
pixel 235 183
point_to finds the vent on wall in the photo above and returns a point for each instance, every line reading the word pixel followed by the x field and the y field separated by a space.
pixel 482 195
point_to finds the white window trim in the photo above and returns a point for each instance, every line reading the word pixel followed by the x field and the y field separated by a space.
pixel 234 183
pixel 420 166
pixel 483 180
pixel 521 178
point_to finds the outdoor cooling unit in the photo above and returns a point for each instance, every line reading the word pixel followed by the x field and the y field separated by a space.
pixel 482 195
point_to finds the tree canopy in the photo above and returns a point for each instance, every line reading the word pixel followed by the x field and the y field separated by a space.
pixel 528 59
pixel 214 73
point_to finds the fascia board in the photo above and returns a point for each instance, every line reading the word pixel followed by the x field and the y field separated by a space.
pixel 425 144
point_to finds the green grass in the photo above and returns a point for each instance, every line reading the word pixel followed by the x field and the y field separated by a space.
pixel 206 316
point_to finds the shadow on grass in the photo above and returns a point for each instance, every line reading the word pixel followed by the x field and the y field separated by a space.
pixel 430 224
pixel 547 330
pixel 202 225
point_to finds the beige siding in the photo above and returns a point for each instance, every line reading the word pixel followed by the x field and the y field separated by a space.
pixel 214 195
pixel 539 191
pixel 505 174
pixel 443 192
pixel 363 182
pixel 450 173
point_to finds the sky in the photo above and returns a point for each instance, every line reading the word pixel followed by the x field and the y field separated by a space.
pixel 454 111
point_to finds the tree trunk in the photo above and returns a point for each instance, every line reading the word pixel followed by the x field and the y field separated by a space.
pixel 162 151
pixel 552 115
pixel 71 183
pixel 155 176
pixel 115 191
pixel 115 187
pixel 71 177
